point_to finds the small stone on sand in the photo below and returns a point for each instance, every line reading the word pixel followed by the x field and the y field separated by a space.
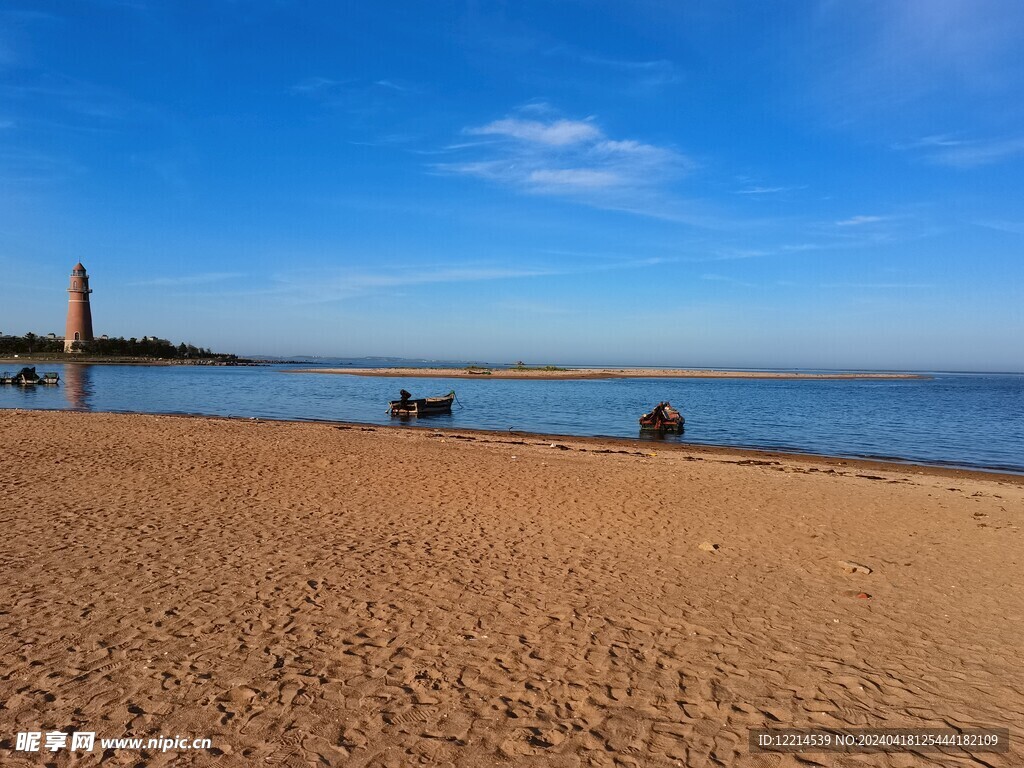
pixel 707 546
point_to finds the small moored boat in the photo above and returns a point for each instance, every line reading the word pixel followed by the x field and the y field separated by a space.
pixel 27 377
pixel 663 418
pixel 424 406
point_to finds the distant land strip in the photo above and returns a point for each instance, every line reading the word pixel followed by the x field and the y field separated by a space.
pixel 597 373
pixel 59 359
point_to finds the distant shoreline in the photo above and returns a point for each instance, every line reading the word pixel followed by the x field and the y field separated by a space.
pixel 156 361
pixel 596 373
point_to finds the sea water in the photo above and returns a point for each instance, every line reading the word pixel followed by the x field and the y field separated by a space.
pixel 968 420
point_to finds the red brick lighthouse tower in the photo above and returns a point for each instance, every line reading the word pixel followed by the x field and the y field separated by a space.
pixel 79 326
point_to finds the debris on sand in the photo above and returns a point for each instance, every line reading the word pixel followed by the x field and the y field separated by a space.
pixel 852 567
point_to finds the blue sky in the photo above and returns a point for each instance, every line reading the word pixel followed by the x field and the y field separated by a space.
pixel 801 184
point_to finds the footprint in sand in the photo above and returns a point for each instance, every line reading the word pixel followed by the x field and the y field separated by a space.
pixel 288 690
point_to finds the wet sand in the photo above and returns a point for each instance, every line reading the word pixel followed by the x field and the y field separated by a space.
pixel 316 594
pixel 599 373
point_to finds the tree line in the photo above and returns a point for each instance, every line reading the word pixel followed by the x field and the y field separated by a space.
pixel 148 346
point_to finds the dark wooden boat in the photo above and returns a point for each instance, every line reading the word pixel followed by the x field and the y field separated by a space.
pixel 663 418
pixel 424 406
pixel 27 377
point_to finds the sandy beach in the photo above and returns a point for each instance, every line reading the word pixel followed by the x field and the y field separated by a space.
pixel 344 595
pixel 599 373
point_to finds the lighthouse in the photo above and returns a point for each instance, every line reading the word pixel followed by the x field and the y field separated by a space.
pixel 79 327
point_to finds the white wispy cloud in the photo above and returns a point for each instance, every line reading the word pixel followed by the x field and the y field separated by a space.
pixel 575 159
pixel 630 65
pixel 360 280
pixel 878 286
pixel 732 254
pixel 717 278
pixel 73 98
pixel 312 85
pixel 327 286
pixel 972 154
pixel 323 286
pixel 963 153
pixel 636 74
pixel 929 142
pixel 559 133
pixel 573 177
pixel 801 247
pixel 857 221
pixel 355 95
pixel 390 84
pixel 1015 227
pixel 766 190
pixel 23 167
pixel 204 278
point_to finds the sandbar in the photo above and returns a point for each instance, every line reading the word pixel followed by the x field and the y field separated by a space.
pixel 597 373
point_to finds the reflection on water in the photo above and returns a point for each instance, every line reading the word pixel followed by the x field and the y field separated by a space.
pixel 77 384
pixel 660 435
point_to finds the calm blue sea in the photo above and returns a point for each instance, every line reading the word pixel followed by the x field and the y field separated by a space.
pixel 968 420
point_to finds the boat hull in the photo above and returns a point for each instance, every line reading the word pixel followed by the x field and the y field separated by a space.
pixel 27 377
pixel 663 427
pixel 664 418
pixel 424 406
